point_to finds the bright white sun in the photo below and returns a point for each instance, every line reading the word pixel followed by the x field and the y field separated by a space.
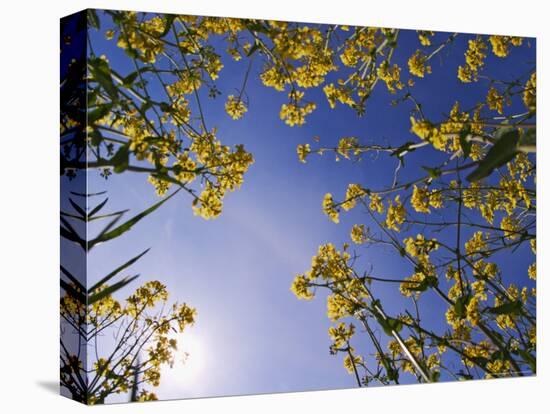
pixel 188 362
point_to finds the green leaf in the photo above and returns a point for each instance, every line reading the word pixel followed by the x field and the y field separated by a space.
pixel 169 19
pixel 96 137
pixel 403 149
pixel 87 194
pixel 108 235
pixel 77 208
pixel 503 151
pixel 427 282
pixel 71 291
pixel 101 72
pixel 72 237
pixel 131 53
pixel 73 279
pixel 93 20
pixel 121 159
pixel 465 144
pixel 527 357
pixel 116 271
pixel 148 105
pixel 433 172
pixel 97 208
pixel 481 361
pixel 460 306
pixel 528 141
pixel 99 112
pixel 253 49
pixel 507 308
pixel 110 290
pixel 102 216
pixel 128 80
pixel 394 324
pixel 256 26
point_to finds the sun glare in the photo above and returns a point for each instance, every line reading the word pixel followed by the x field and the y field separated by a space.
pixel 189 361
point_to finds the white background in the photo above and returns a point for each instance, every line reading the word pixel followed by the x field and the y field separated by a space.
pixel 29 204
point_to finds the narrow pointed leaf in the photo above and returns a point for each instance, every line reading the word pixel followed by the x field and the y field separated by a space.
pixel 71 291
pixel 101 73
pixel 97 208
pixel 116 271
pixel 110 290
pixel 88 194
pixel 77 208
pixel 102 216
pixel 128 224
pixel 73 279
pixel 503 151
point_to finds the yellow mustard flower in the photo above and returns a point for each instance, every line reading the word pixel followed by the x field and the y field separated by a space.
pixel 235 107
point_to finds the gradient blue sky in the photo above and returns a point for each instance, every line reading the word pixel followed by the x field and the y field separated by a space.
pixel 237 270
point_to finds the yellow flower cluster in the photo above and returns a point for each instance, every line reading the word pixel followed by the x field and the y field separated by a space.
pixel 520 167
pixel 420 248
pixel 354 192
pixel 501 44
pixel 347 145
pixel 413 346
pixel 359 46
pixel 495 100
pixel 161 186
pixel 141 37
pixel 417 64
pixel 473 314
pixel 513 192
pixel 293 113
pixel 306 45
pixel 481 350
pixel 341 334
pixel 274 78
pixel 426 131
pixel 396 214
pixel 498 368
pixel 189 81
pixel 226 166
pixel 484 270
pixel 104 309
pixel 303 150
pixel 300 288
pixel 471 196
pixel 209 204
pixel 185 169
pixel 329 208
pixel 376 203
pixel 331 266
pixel 477 243
pixel 350 362
pixel 506 321
pixel 475 56
pixel 179 110
pixel 390 75
pixel 338 307
pixel 422 199
pixel 146 296
pixel 532 271
pixel 530 93
pixel 424 37
pixel 342 94
pixel 358 234
pixel 235 107
pixel 511 227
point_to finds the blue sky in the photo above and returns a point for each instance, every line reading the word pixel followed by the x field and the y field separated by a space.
pixel 237 270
